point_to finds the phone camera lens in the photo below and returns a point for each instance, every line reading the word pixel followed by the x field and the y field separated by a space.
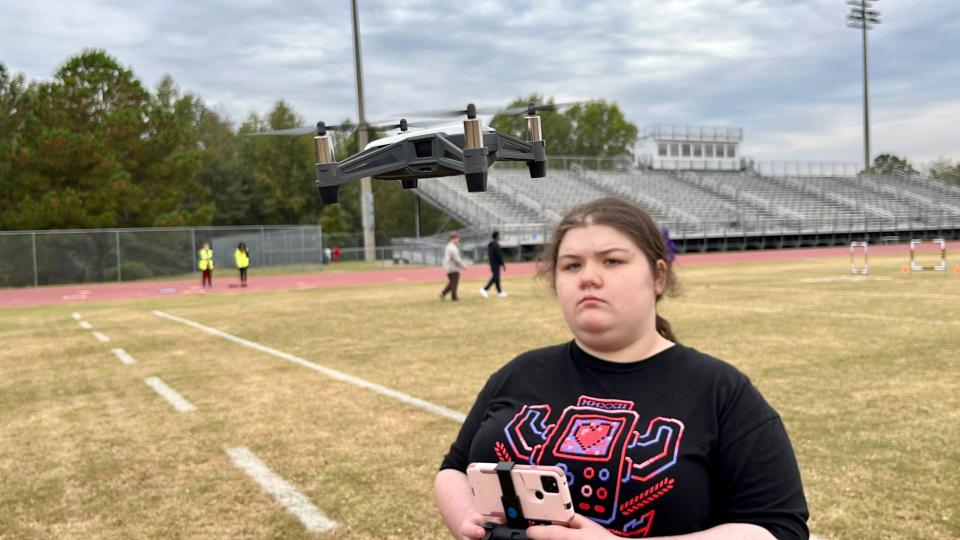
pixel 539 494
pixel 550 484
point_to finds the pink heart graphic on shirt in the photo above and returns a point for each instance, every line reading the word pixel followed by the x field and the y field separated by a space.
pixel 588 435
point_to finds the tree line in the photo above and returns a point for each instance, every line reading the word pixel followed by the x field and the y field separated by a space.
pixel 93 147
pixel 941 169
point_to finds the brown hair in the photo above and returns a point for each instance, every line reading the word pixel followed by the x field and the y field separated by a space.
pixel 630 220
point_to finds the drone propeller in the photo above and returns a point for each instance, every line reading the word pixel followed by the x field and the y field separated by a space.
pixel 532 108
pixel 472 111
pixel 402 125
pixel 320 129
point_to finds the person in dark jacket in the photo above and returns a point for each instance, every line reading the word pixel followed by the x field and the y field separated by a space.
pixel 495 257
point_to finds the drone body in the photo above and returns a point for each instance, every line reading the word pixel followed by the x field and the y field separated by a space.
pixel 448 151
pixel 451 150
pixel 468 149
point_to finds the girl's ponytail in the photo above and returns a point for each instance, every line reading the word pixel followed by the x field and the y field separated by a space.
pixel 663 328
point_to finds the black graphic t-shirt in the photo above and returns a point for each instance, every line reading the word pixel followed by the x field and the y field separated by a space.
pixel 673 444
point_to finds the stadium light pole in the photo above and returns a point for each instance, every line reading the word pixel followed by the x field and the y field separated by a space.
pixel 863 17
pixel 366 190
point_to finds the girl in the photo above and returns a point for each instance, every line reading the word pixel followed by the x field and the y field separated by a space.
pixel 656 438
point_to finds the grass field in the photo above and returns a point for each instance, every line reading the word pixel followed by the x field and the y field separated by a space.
pixel 864 372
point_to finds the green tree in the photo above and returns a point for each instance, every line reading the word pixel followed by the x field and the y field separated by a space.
pixel 556 127
pixel 96 149
pixel 67 170
pixel 600 129
pixel 595 128
pixel 15 97
pixel 172 156
pixel 888 163
pixel 282 169
pixel 946 171
pixel 222 170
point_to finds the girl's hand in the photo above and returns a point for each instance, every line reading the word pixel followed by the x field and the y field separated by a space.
pixel 472 526
pixel 580 528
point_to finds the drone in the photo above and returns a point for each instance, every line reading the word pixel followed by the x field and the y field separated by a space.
pixel 469 149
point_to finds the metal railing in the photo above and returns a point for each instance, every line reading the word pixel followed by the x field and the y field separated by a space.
pixel 807 168
pixel 695 164
pixel 692 133
pixel 596 163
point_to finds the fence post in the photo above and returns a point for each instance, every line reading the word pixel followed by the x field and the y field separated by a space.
pixel 36 278
pixel 193 242
pixel 303 247
pixel 119 267
pixel 476 253
pixel 263 246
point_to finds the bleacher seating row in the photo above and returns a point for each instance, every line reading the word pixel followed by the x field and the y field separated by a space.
pixel 706 203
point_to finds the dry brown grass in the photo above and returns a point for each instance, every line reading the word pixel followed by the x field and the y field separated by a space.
pixel 87 450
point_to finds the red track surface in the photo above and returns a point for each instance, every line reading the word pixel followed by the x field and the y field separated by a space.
pixel 225 280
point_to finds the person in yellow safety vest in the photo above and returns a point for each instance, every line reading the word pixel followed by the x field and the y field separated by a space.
pixel 242 257
pixel 206 265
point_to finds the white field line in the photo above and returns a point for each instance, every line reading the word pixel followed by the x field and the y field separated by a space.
pixel 76 316
pixel 101 337
pixel 856 279
pixel 124 357
pixel 812 313
pixel 169 394
pixel 339 375
pixel 85 325
pixel 292 500
pixel 875 294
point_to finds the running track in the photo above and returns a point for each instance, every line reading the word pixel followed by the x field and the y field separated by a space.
pixel 223 279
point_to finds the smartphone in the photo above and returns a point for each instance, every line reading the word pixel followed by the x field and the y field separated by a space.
pixel 542 490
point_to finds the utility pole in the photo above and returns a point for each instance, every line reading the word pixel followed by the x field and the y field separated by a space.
pixel 416 214
pixel 863 17
pixel 366 190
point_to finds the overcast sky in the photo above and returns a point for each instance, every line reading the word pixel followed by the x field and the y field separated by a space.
pixel 788 71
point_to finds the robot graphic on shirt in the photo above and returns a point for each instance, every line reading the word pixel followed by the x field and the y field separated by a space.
pixel 598 443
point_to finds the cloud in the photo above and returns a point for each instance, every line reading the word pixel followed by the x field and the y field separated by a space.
pixel 789 72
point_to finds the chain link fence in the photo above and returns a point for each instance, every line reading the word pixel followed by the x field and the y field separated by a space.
pixel 92 255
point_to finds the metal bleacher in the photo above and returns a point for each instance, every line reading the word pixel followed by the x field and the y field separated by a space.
pixel 932 196
pixel 712 204
pixel 493 207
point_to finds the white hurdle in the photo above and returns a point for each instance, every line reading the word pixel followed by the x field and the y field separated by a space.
pixel 854 269
pixel 939 267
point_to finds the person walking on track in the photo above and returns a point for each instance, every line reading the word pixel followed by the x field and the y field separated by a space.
pixel 452 264
pixel 495 258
